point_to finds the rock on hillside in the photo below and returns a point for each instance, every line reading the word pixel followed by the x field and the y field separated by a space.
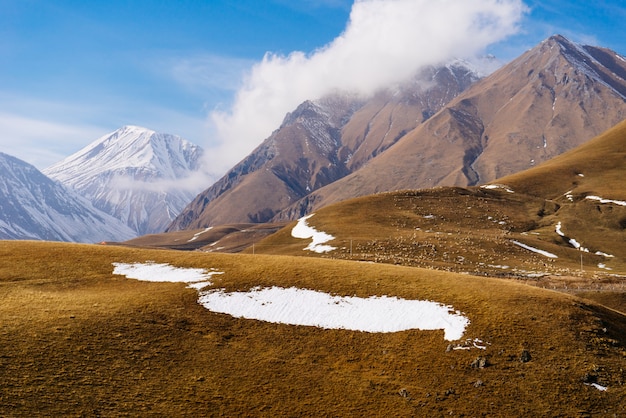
pixel 135 174
pixel 32 206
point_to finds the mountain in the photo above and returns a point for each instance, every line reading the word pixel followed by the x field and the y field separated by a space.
pixel 135 174
pixel 549 100
pixel 320 142
pixel 32 206
pixel 543 221
pixel 529 225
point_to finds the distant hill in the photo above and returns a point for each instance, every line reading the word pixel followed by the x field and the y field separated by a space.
pixel 134 174
pixel 32 206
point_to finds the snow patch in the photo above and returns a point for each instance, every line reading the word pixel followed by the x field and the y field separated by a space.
pixel 156 272
pixel 304 231
pixel 197 234
pixel 497 186
pixel 572 241
pixel 604 254
pixel 535 250
pixel 601 200
pixel 295 306
pixel 597 386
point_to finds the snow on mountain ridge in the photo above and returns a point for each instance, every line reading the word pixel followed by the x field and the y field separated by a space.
pixel 32 206
pixel 140 176
pixel 162 155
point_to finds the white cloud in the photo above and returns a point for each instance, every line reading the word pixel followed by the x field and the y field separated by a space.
pixel 41 142
pixel 385 42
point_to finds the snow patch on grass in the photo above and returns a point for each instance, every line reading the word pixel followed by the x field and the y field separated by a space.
pixel 197 234
pixel 535 250
pixel 571 241
pixel 497 186
pixel 295 306
pixel 597 386
pixel 601 200
pixel 155 272
pixel 304 231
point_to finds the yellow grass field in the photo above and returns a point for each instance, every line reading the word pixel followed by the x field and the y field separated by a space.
pixel 76 340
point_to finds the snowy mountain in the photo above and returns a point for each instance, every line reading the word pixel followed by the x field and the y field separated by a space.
pixel 139 176
pixel 32 206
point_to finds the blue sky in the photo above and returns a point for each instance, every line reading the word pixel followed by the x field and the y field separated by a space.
pixel 72 70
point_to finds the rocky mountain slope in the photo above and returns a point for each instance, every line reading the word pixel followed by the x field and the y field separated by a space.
pixel 446 127
pixel 549 100
pixel 319 143
pixel 135 174
pixel 32 206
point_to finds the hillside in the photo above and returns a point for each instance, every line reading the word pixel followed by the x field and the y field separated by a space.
pixel 596 167
pixel 77 339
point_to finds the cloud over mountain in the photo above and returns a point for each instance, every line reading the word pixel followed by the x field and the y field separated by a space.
pixel 384 43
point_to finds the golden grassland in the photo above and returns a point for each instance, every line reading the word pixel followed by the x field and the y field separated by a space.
pixel 472 230
pixel 76 340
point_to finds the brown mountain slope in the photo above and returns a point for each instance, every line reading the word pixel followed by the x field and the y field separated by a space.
pixel 551 99
pixel 596 167
pixel 319 143
pixel 78 340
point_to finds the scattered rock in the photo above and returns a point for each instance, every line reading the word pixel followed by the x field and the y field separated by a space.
pixel 480 363
pixel 525 357
pixel 589 378
pixel 403 392
pixel 479 383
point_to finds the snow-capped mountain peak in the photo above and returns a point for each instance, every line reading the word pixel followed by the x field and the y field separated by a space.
pixel 135 174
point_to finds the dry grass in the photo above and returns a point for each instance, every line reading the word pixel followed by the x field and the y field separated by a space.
pixel 469 230
pixel 224 238
pixel 77 341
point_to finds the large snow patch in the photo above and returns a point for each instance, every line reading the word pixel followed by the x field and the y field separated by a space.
pixel 295 306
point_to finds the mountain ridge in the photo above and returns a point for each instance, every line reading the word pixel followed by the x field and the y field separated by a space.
pixel 32 206
pixel 532 109
pixel 135 174
pixel 320 142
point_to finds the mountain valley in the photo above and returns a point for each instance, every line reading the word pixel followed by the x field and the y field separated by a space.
pixel 500 199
